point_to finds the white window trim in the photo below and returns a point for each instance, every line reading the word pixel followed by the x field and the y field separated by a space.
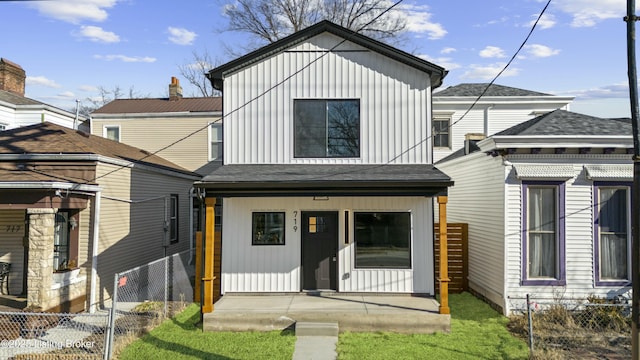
pixel 442 117
pixel 106 127
pixel 210 140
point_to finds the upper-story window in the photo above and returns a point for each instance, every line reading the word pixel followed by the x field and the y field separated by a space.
pixel 111 132
pixel 441 133
pixel 327 128
pixel 215 142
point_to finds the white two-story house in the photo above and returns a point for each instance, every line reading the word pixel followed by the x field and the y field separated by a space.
pixel 327 179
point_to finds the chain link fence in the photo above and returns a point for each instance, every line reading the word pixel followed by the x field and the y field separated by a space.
pixel 592 328
pixel 142 298
pixel 37 336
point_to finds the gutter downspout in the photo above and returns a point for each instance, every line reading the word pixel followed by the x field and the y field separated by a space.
pixel 94 251
pixel 191 225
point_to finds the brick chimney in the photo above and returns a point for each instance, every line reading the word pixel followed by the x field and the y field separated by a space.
pixel 175 90
pixel 12 77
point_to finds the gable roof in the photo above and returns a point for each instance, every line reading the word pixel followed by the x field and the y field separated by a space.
pixel 65 144
pixel 476 89
pixel 436 72
pixel 161 105
pixel 562 122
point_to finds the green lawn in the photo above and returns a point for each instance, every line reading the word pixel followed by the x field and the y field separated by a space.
pixel 477 332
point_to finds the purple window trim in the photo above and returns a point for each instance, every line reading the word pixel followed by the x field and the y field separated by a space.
pixel 596 232
pixel 562 278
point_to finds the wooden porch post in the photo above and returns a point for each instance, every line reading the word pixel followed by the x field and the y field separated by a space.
pixel 444 258
pixel 207 279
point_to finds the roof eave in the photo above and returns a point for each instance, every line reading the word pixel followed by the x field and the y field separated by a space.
pixel 216 76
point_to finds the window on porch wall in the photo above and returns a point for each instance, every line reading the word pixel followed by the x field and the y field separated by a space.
pixel 543 233
pixel 612 237
pixel 61 241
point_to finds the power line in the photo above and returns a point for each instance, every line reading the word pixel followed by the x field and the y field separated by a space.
pixel 264 93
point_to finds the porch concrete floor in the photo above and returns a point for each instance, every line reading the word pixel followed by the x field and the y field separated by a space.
pixel 12 302
pixel 352 312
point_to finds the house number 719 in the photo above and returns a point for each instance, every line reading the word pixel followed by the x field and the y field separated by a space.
pixel 12 228
pixel 295 220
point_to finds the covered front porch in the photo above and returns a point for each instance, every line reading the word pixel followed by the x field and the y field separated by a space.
pixel 402 313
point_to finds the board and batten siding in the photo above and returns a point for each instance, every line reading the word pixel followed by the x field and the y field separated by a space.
pixel 477 198
pixel 132 214
pixel 247 268
pixel 11 247
pixel 192 152
pixel 395 114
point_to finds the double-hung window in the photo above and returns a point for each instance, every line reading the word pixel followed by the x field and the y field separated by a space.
pixel 215 142
pixel 612 234
pixel 326 128
pixel 543 233
pixel 441 132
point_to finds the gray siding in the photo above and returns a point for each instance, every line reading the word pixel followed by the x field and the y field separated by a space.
pixel 11 249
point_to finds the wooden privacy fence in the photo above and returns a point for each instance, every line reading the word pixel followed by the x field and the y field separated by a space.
pixel 457 248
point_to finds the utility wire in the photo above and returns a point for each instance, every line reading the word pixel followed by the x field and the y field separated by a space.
pixel 264 93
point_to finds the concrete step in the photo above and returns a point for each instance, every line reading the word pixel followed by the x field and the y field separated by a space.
pixel 316 329
pixel 13 302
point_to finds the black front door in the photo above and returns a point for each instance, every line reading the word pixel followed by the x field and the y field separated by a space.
pixel 319 250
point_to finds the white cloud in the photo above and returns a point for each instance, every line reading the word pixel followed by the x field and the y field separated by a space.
pixel 181 36
pixel 588 13
pixel 419 21
pixel 547 21
pixel 66 95
pixel 75 11
pixel 540 51
pixel 612 91
pixel 488 72
pixel 125 58
pixel 492 52
pixel 445 62
pixel 448 50
pixel 88 88
pixel 97 34
pixel 41 81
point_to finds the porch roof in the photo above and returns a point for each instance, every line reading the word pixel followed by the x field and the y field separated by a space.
pixel 324 180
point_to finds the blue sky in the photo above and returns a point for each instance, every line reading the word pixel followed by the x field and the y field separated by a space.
pixel 69 48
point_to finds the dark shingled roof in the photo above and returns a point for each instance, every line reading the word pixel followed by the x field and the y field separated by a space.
pixel 324 179
pixel 562 122
pixel 48 138
pixel 436 72
pixel 469 89
pixel 161 105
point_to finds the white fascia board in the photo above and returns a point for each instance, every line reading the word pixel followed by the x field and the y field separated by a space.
pixel 95 157
pixel 50 109
pixel 561 141
pixel 136 116
pixel 489 100
pixel 48 185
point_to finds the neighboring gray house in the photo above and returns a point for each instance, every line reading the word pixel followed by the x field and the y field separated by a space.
pixel 76 208
pixel 548 207
pixel 472 108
